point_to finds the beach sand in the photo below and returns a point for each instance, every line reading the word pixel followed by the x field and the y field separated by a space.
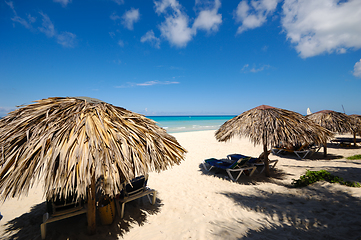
pixel 195 204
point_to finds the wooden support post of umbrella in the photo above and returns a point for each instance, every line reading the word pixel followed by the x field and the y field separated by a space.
pixel 69 143
pixel 271 126
pixel 265 158
pixel 91 214
pixel 333 121
pixel 356 126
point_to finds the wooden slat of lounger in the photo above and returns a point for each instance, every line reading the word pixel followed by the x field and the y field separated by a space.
pixel 66 215
pixel 47 220
pixel 138 195
pixel 67 211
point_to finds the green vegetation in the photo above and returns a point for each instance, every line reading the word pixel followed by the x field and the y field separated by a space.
pixel 354 157
pixel 314 176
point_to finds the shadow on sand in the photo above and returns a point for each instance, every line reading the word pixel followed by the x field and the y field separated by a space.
pixel 319 155
pixel 27 226
pixel 319 211
pixel 350 173
pixel 338 146
pixel 316 156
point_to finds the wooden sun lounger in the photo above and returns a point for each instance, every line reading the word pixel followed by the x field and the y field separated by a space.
pixel 346 141
pixel 253 161
pixel 137 189
pixel 61 212
pixel 302 152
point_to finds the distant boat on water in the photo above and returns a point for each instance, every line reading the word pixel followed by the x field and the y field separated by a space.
pixel 309 111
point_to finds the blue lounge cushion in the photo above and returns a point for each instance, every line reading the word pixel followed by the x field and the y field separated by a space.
pixel 218 163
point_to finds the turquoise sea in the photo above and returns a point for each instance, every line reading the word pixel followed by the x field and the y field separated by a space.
pixel 175 124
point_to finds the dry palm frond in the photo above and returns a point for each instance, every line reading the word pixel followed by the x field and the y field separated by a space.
pixel 356 123
pixel 64 141
pixel 334 121
pixel 270 126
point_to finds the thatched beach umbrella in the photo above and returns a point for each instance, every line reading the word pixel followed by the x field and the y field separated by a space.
pixel 270 126
pixel 69 143
pixel 334 121
pixel 356 126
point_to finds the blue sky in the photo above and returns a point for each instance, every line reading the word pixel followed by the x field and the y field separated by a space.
pixel 169 57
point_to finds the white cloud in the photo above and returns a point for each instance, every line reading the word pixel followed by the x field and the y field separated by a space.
pixel 22 21
pixel 322 26
pixel 47 26
pixel 161 6
pixel 254 14
pixel 264 67
pixel 11 5
pixel 146 84
pixel 357 69
pixel 246 68
pixel 4 111
pixel 121 43
pixel 176 27
pixel 114 17
pixel 31 19
pixel 156 82
pixel 66 39
pixel 149 37
pixel 130 17
pixel 119 2
pixel 63 3
pixel 209 19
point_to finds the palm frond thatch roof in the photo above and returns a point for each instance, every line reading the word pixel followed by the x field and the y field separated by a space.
pixel 269 125
pixel 66 141
pixel 334 121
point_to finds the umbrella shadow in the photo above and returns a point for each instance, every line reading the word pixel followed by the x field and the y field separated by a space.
pixel 320 156
pixel 27 226
pixel 255 179
pixel 314 156
pixel 315 212
pixel 338 146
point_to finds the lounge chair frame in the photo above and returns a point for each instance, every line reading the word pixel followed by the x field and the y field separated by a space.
pixel 302 152
pixel 135 194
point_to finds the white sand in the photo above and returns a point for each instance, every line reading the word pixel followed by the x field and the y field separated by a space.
pixel 193 203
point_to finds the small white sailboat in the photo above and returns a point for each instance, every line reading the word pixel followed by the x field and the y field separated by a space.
pixel 309 111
